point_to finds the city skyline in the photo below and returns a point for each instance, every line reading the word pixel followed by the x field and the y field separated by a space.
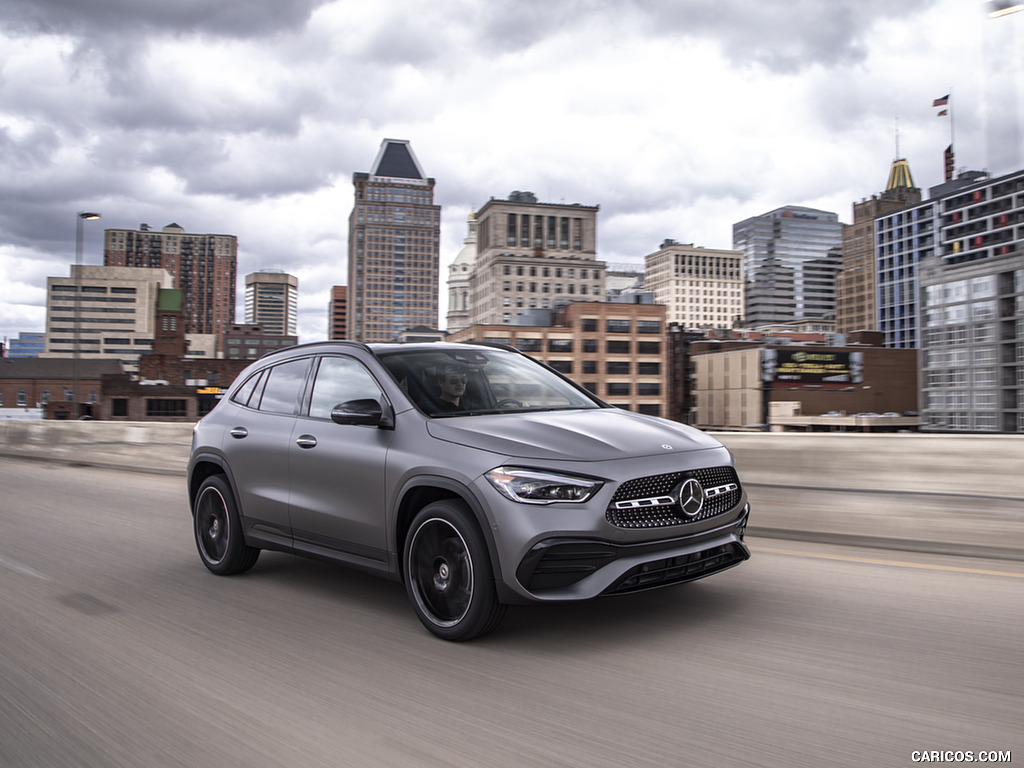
pixel 242 124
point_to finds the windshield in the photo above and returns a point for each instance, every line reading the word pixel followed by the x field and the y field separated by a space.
pixel 475 380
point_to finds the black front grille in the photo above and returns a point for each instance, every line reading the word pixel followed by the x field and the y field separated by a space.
pixel 646 511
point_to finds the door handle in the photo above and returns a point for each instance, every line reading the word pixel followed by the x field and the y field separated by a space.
pixel 306 441
pixel 239 432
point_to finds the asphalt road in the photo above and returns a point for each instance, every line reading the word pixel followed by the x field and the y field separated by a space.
pixel 117 648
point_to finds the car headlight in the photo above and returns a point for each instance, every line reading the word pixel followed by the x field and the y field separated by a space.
pixel 531 486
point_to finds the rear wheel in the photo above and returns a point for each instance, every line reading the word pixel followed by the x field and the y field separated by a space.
pixel 218 529
pixel 448 573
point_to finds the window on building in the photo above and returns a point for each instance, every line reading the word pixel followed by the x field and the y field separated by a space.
pixel 46 396
pixel 590 345
pixel 615 367
pixel 562 366
pixel 529 344
pixel 648 326
pixel 649 369
pixel 119 407
pixel 648 347
pixel 618 388
pixel 590 366
pixel 165 408
pixel 588 324
pixel 618 347
pixel 618 326
pixel 560 345
pixel 22 399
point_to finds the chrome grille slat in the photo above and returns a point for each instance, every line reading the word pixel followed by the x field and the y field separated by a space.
pixel 628 507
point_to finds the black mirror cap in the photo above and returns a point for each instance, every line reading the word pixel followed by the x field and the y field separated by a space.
pixel 364 412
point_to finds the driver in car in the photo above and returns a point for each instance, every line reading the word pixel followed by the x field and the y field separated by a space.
pixel 451 380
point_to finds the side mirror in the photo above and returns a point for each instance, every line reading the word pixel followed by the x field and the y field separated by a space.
pixel 365 412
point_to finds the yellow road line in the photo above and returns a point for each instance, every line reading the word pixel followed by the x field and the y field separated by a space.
pixel 900 563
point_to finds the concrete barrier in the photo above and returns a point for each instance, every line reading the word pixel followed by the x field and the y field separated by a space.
pixel 990 465
pixel 139 446
pixel 953 494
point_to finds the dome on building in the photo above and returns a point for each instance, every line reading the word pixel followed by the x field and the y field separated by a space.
pixel 466 258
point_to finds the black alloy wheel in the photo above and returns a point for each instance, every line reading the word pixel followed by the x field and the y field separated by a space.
pixel 218 529
pixel 448 573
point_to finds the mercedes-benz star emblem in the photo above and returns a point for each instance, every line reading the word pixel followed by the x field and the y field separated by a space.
pixel 691 497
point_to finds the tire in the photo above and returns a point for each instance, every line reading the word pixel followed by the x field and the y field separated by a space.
pixel 218 529
pixel 448 573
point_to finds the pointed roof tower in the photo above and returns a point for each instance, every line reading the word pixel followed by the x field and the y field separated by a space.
pixel 899 175
pixel 397 161
pixel 901 187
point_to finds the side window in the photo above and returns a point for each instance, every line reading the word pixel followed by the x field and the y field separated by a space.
pixel 338 380
pixel 284 385
pixel 244 392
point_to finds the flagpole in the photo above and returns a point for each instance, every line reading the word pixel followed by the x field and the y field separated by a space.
pixel 952 124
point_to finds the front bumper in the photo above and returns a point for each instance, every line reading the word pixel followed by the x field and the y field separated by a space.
pixel 562 568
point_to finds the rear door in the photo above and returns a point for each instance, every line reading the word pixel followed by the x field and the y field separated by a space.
pixel 257 445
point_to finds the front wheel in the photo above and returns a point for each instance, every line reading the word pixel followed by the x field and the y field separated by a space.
pixel 218 529
pixel 448 573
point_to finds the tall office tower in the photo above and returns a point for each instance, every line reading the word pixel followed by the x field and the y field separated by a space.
pixel 458 279
pixel 530 255
pixel 908 236
pixel 272 301
pixel 202 266
pixel 337 313
pixel 790 260
pixel 856 307
pixel 103 313
pixel 394 234
pixel 701 287
pixel 970 281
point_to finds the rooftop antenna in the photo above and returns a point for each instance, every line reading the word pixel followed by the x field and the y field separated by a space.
pixel 897 137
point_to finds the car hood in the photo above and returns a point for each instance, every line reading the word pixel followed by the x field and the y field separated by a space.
pixel 581 435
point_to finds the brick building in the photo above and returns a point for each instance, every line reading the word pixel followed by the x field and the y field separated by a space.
pixel 617 351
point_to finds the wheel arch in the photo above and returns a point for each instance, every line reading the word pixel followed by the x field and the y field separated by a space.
pixel 422 491
pixel 203 466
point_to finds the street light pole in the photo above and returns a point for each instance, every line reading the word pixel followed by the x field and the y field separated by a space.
pixel 82 217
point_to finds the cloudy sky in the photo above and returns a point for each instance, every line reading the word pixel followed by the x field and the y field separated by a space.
pixel 677 117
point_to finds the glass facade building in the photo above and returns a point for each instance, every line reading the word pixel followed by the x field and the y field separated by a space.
pixel 791 257
pixel 971 288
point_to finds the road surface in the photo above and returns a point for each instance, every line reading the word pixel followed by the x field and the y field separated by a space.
pixel 120 649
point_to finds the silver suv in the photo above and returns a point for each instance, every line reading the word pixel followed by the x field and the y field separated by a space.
pixel 470 472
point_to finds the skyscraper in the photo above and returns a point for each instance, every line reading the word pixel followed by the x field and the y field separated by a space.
pixel 790 260
pixel 701 287
pixel 271 301
pixel 393 247
pixel 856 286
pixel 337 313
pixel 531 255
pixel 202 266
pixel 951 282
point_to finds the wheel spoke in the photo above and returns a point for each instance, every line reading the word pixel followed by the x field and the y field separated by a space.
pixel 441 572
pixel 212 522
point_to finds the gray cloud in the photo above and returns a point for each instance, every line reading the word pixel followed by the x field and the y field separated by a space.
pixel 91 19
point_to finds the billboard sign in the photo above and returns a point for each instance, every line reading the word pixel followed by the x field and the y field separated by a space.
pixel 817 369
